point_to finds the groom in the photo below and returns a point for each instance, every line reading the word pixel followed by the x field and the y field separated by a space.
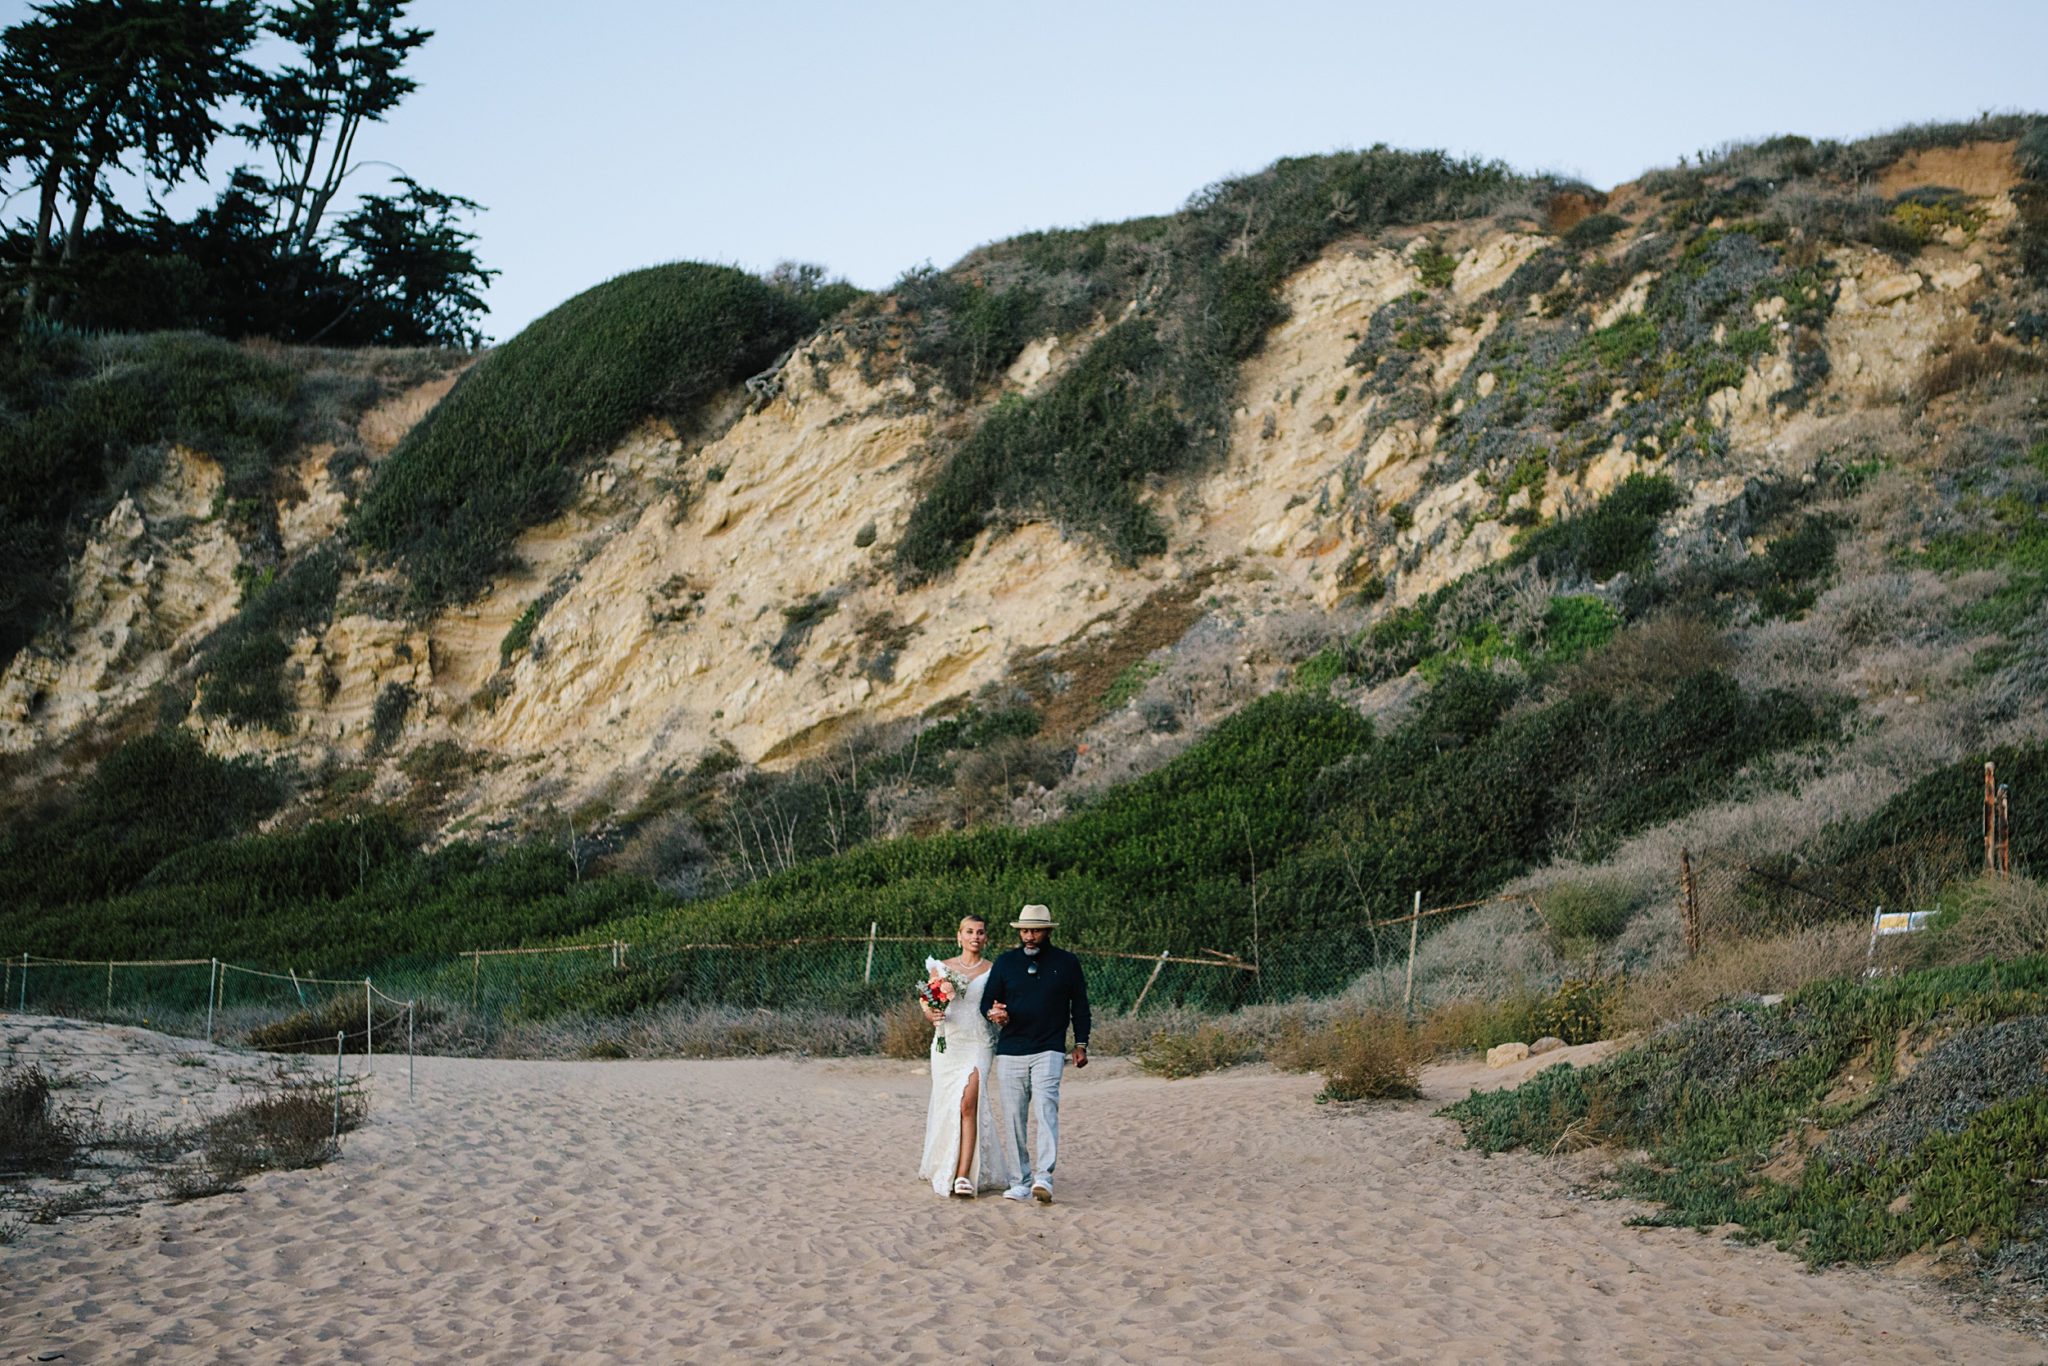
pixel 1033 992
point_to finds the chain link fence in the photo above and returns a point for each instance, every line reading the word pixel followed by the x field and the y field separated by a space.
pixel 279 1008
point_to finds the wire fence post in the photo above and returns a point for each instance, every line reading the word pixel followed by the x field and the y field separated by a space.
pixel 6 980
pixel 476 972
pixel 296 984
pixel 1157 968
pixel 22 1005
pixel 110 986
pixel 2004 830
pixel 411 1010
pixel 1990 817
pixel 1690 890
pixel 1414 931
pixel 340 1037
pixel 212 972
pixel 369 1023
pixel 867 974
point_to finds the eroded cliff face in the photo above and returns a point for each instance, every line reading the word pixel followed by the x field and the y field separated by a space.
pixel 737 587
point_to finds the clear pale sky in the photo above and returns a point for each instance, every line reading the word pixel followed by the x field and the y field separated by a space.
pixel 610 134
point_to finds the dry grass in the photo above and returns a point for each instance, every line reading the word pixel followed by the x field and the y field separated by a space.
pixel 906 1034
pixel 1748 967
pixel 34 1137
pixel 682 1030
pixel 313 1029
pixel 1992 917
pixel 1211 1045
pixel 1475 1026
pixel 1374 1056
pixel 1968 364
pixel 1644 663
pixel 293 1125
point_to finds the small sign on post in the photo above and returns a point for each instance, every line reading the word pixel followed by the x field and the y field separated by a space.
pixel 1884 924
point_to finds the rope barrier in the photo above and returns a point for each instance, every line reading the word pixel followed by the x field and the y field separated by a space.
pixel 563 948
pixel 33 959
pixel 288 976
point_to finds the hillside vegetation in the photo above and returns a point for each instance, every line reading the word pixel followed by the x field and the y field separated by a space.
pixel 1647 530
pixel 1854 1122
pixel 503 450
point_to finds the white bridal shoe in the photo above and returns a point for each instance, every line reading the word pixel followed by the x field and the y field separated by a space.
pixel 963 1187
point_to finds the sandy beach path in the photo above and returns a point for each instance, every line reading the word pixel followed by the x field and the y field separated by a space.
pixel 761 1210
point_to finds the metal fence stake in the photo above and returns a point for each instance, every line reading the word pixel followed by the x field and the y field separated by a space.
pixel 340 1037
pixel 110 986
pixel 867 974
pixel 411 1010
pixel 1414 930
pixel 369 1024
pixel 212 972
pixel 24 982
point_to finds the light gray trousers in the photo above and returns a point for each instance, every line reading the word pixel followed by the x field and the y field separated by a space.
pixel 1029 1086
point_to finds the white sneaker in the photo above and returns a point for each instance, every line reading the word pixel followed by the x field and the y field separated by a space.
pixel 1018 1193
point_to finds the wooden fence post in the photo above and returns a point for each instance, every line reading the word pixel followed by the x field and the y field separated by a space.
pixel 1990 818
pixel 1690 889
pixel 867 974
pixel 1146 990
pixel 476 970
pixel 2004 830
pixel 1414 929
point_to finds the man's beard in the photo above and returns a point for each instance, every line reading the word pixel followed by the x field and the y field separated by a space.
pixel 1033 948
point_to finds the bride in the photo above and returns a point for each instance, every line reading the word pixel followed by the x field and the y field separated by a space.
pixel 962 1144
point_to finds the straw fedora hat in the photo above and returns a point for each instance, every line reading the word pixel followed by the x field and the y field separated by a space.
pixel 1033 918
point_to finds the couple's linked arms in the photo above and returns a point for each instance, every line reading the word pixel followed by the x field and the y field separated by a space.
pixel 995 1008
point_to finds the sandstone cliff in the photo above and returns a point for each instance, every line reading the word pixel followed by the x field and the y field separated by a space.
pixel 733 586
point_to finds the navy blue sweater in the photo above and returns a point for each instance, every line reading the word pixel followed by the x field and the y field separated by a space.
pixel 1041 1003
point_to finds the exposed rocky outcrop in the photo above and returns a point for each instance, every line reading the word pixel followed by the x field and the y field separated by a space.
pixel 734 586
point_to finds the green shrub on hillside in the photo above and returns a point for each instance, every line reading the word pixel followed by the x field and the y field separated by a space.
pixel 1153 394
pixel 965 331
pixel 1615 536
pixel 500 453
pixel 243 665
pixel 1071 453
pixel 146 801
pixel 1585 910
pixel 83 420
pixel 1296 786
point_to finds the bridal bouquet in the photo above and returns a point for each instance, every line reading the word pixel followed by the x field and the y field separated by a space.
pixel 939 989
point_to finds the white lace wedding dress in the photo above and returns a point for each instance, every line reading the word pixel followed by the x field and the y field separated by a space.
pixel 970 1047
